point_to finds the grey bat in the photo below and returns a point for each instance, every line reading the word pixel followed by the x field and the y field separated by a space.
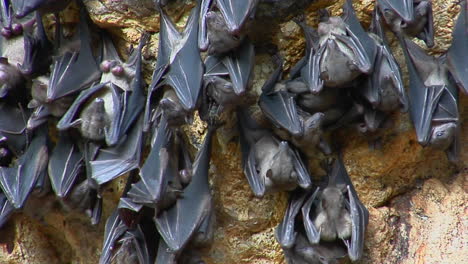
pixel 74 71
pixel 335 213
pixel 18 181
pixel 132 101
pixel 65 164
pixel 411 17
pixel 220 40
pixel 384 88
pixel 24 7
pixel 456 61
pixel 433 100
pixel 114 229
pixel 89 114
pixel 178 224
pixel 171 108
pixel 342 52
pixel 84 197
pixel 132 248
pixel 268 163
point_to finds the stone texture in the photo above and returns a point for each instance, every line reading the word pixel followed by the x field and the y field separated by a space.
pixel 417 207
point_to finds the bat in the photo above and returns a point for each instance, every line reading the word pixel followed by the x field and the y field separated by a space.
pixel 74 70
pixel 239 64
pixel 18 181
pixel 84 197
pixel 411 17
pixel 262 154
pixel 89 114
pixel 384 88
pixel 132 248
pixel 171 108
pixel 178 224
pixel 114 229
pixel 456 61
pixel 132 102
pixel 278 105
pixel 6 209
pixel 286 232
pixel 335 213
pixel 218 39
pixel 24 7
pixel 342 52
pixel 37 49
pixel 65 164
pixel 185 70
pixel 433 100
pixel 112 162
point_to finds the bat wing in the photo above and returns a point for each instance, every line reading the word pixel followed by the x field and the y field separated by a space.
pixel 6 14
pixel 239 65
pixel 313 234
pixel 75 71
pixel 203 35
pixel 456 59
pixel 24 7
pixel 285 232
pixel 256 182
pixel 303 176
pixel 215 67
pixel 165 254
pixel 133 102
pixel 64 166
pixel 37 49
pixel 17 182
pixel 153 173
pixel 114 229
pixel 280 106
pixel 178 223
pixel 365 47
pixel 136 239
pixel 235 13
pixel 359 213
pixel 114 161
pixel 186 68
pixel 310 73
pixel 69 117
pixel 423 99
pixel 404 8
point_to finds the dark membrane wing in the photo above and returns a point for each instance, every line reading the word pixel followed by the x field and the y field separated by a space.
pixel 236 13
pixel 312 233
pixel 178 223
pixel 17 182
pixel 214 66
pixel 310 72
pixel 285 232
pixel 65 164
pixel 74 71
pixel 203 35
pixel 186 68
pixel 239 65
pixel 6 209
pixel 404 8
pixel 114 229
pixel 280 108
pixel 115 161
pixel 456 55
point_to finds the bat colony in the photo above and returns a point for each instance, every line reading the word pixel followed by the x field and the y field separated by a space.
pixel 105 113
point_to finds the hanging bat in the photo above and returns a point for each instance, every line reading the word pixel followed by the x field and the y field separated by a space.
pixel 18 181
pixel 433 100
pixel 178 224
pixel 410 17
pixel 268 163
pixel 384 88
pixel 132 102
pixel 456 61
pixel 65 164
pixel 74 71
pixel 84 197
pixel 89 114
pixel 112 162
pixel 222 30
pixel 342 52
pixel 6 209
pixel 38 49
pixel 24 7
pixel 185 70
pixel 335 214
pixel 172 110
pixel 114 229
pixel 131 248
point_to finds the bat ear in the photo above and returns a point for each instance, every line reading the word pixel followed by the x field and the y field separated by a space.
pixel 269 173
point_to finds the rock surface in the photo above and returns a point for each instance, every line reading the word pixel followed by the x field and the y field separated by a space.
pixel 418 208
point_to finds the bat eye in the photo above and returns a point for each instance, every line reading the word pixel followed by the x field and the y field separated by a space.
pixel 17 29
pixel 440 134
